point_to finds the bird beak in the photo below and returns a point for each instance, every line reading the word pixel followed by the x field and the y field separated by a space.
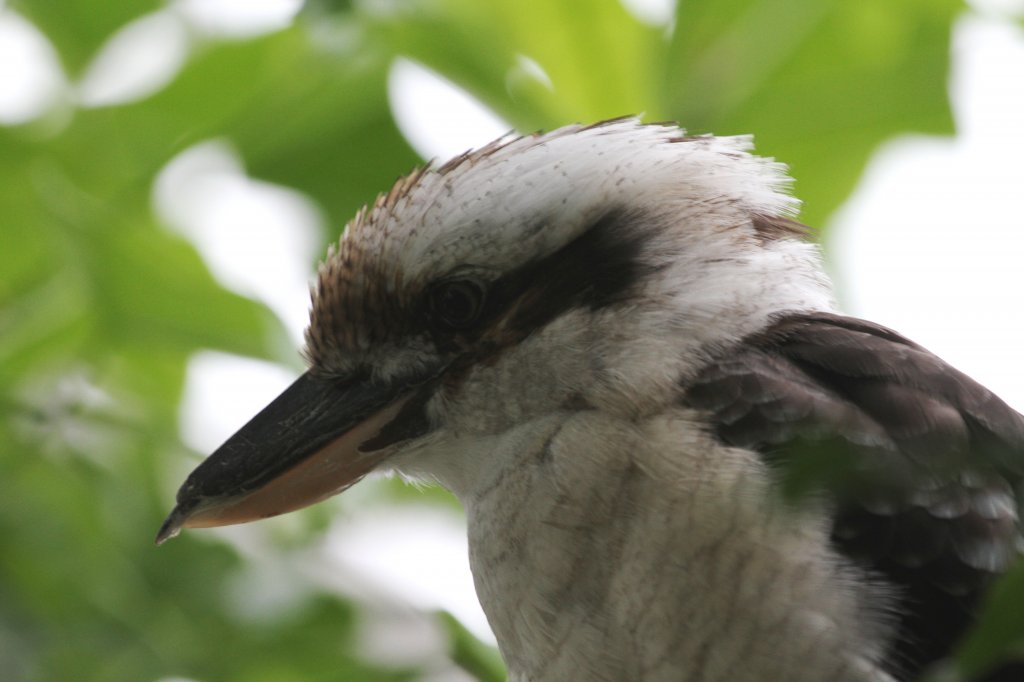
pixel 313 441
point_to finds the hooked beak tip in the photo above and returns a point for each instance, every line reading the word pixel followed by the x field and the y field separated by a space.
pixel 171 526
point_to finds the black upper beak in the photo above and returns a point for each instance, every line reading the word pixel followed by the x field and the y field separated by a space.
pixel 314 440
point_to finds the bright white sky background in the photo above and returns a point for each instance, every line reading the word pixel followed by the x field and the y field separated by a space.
pixel 931 243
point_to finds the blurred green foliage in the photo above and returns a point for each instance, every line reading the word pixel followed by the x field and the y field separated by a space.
pixel 101 306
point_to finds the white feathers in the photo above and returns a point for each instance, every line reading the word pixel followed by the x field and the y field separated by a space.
pixel 521 199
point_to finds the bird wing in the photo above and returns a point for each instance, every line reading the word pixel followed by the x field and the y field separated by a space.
pixel 921 462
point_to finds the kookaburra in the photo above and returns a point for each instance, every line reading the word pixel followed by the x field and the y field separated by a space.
pixel 615 346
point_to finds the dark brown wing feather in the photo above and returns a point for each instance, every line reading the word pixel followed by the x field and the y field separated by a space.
pixel 923 462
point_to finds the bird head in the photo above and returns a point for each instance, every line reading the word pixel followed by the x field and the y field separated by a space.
pixel 590 268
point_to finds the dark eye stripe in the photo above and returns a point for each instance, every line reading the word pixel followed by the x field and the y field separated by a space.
pixel 595 270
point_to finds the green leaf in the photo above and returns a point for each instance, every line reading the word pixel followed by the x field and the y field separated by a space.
pixel 77 28
pixel 819 82
pixel 601 61
pixel 999 635
pixel 152 290
pixel 469 653
pixel 305 110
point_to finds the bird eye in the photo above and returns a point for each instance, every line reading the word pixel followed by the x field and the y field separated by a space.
pixel 457 304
